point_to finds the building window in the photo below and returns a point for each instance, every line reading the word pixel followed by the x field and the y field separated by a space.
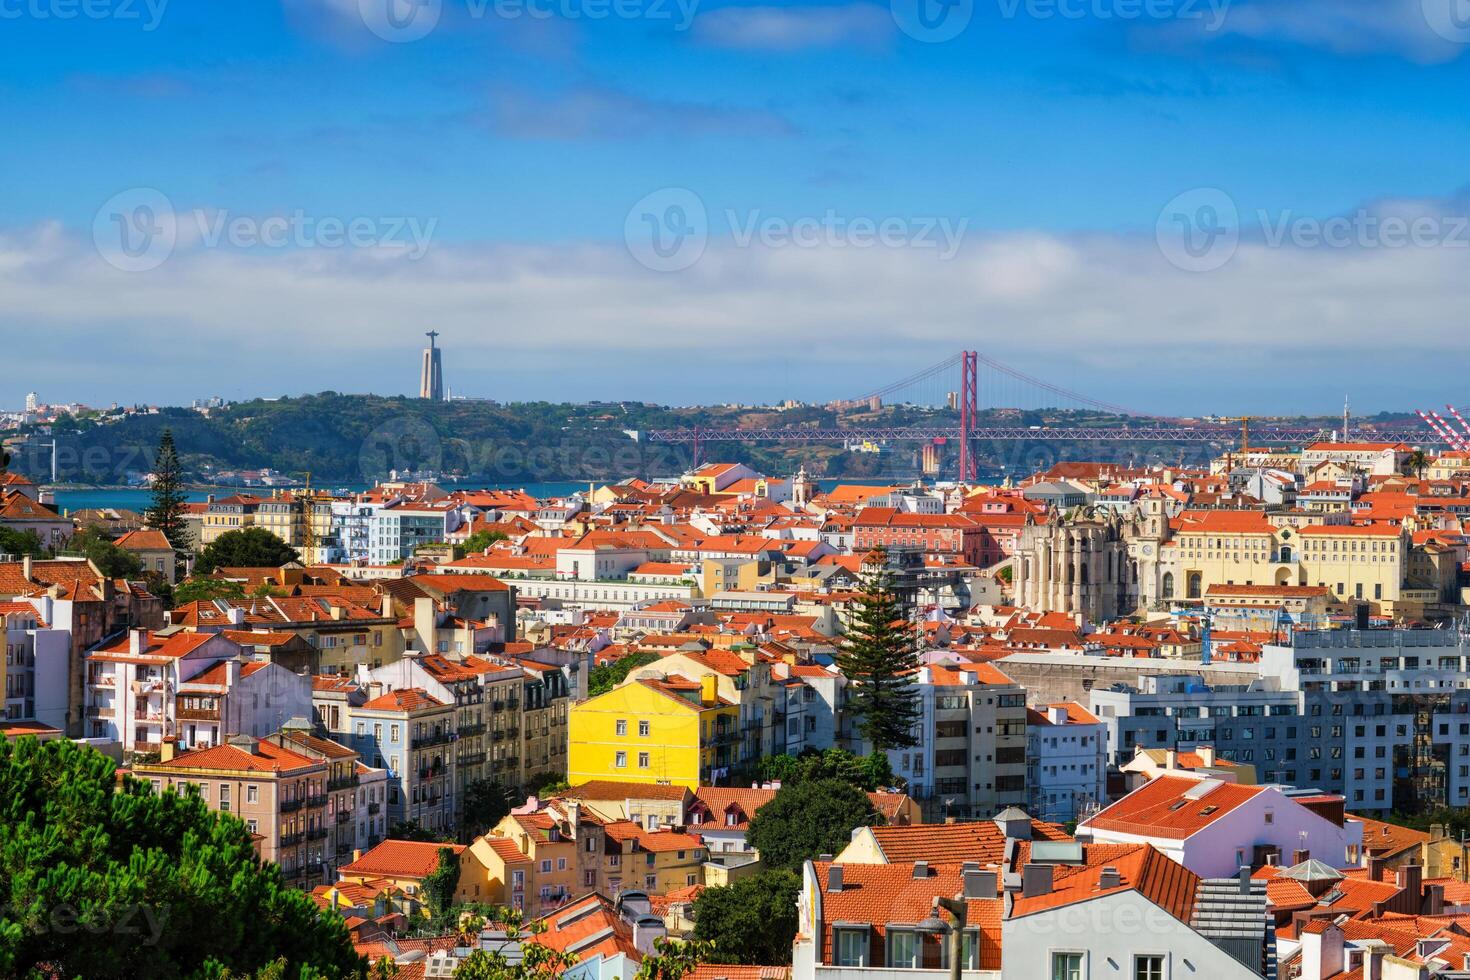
pixel 643 729
pixel 1066 966
pixel 621 760
pixel 252 794
pixel 621 727
pixel 1150 967
pixel 850 947
pixel 903 949
pixel 642 760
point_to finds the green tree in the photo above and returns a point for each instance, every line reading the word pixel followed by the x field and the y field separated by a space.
pixel 869 772
pixel 111 561
pixel 106 878
pixel 605 677
pixel 249 547
pixel 166 513
pixel 13 542
pixel 879 657
pixel 413 830
pixel 440 884
pixel 485 803
pixel 1419 462
pixel 479 541
pixel 199 589
pixel 673 959
pixel 535 961
pixel 752 921
pixel 809 819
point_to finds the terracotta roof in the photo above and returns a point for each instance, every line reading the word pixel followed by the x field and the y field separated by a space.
pixel 1173 807
pixel 268 757
pixel 877 894
pixel 407 699
pixel 607 789
pixel 400 859
pixel 981 841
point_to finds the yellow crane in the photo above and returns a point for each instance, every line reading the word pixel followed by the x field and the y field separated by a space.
pixel 1245 435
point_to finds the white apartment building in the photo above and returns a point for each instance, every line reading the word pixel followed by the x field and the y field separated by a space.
pixel 1066 761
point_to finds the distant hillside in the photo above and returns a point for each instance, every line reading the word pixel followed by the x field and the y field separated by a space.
pixel 357 438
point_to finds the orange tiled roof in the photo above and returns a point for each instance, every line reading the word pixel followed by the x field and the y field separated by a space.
pixel 400 859
pixel 1166 807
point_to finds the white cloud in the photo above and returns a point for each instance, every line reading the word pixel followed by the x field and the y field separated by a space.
pixel 1421 31
pixel 794 28
pixel 1106 311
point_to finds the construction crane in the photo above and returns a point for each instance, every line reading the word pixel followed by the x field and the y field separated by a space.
pixel 1245 434
pixel 308 509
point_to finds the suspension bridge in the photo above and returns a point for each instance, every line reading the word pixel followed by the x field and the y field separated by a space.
pixel 983 395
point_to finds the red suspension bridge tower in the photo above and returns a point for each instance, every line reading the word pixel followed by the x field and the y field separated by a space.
pixel 969 414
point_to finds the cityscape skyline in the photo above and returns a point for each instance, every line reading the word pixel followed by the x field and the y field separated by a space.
pixel 934 195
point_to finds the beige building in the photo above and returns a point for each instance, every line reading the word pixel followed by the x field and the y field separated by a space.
pixel 279 793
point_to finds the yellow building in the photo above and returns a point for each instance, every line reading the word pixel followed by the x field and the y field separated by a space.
pixel 550 861
pixel 654 730
pixel 1243 548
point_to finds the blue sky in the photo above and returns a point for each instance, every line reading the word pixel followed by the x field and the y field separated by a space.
pixel 499 164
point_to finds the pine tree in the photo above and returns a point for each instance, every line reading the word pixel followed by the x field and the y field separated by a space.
pixel 167 511
pixel 879 657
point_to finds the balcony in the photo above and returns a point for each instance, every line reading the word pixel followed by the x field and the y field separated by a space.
pixel 197 714
pixel 292 840
pixel 99 711
pixel 428 741
pixel 472 758
pixel 291 806
pixel 470 731
pixel 374 808
pixel 343 782
pixel 344 816
pixel 148 686
pixel 151 717
pixel 316 799
pixel 316 833
pixel 103 680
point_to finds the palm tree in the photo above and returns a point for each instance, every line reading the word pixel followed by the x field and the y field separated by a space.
pixel 1419 460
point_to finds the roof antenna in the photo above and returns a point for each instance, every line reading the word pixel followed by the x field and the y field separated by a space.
pixel 1344 418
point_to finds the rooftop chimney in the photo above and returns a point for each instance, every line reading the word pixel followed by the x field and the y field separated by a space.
pixel 137 641
pixel 1109 878
pixel 980 884
pixel 1409 878
pixel 1036 880
pixel 1244 877
pixel 1171 759
pixel 168 748
pixel 25 567
pixel 834 878
pixel 1206 754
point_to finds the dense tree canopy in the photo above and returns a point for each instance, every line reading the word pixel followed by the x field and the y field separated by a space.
pixel 809 819
pixel 13 542
pixel 870 772
pixel 101 879
pixel 204 589
pixel 249 547
pixel 110 560
pixel 752 921
pixel 485 803
pixel 605 677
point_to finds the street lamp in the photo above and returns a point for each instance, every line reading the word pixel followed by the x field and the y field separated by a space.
pixel 957 908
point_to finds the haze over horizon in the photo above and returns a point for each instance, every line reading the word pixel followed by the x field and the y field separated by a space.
pixel 708 202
